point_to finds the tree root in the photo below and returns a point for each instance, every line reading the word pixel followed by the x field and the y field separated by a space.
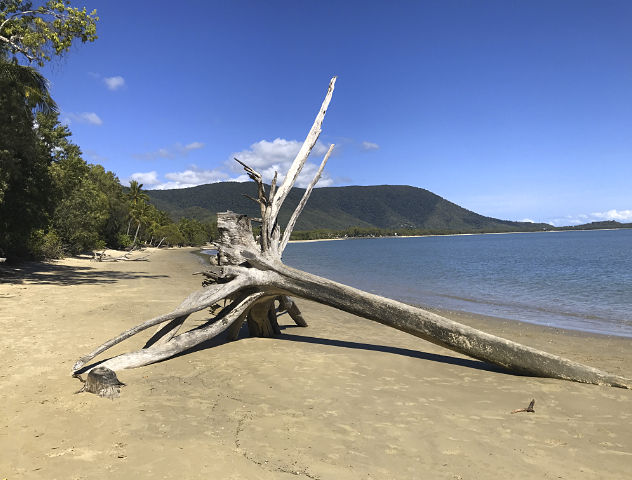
pixel 528 409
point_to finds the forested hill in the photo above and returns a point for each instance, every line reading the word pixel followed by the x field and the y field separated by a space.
pixel 338 208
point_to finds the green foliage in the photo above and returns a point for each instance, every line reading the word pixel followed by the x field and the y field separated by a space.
pixel 25 185
pixel 137 199
pixel 141 213
pixel 171 234
pixel 51 201
pixel 357 232
pixel 603 225
pixel 151 225
pixel 193 232
pixel 38 33
pixel 45 245
pixel 117 207
pixel 29 82
pixel 122 241
pixel 29 196
pixel 80 218
pixel 82 207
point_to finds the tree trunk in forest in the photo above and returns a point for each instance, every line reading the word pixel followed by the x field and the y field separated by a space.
pixel 136 234
pixel 250 279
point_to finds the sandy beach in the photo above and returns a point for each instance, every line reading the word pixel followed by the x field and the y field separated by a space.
pixel 344 398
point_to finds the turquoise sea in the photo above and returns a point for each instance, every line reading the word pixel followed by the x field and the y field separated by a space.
pixel 579 280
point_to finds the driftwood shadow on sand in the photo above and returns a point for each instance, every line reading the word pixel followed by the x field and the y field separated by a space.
pixel 332 342
pixel 406 352
pixel 432 357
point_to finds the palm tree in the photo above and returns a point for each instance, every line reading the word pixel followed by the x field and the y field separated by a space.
pixel 28 83
pixel 137 214
pixel 136 197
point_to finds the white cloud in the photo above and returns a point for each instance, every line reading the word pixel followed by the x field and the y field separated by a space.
pixel 622 216
pixel 618 215
pixel 174 151
pixel 146 178
pixel 527 220
pixel 84 117
pixel 366 146
pixel 265 157
pixel 190 177
pixel 114 83
pixel 276 156
pixel 197 176
pixel 193 146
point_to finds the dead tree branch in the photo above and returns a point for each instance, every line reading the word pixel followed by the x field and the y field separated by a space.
pixel 251 278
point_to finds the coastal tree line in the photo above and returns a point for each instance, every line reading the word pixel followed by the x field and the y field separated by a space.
pixel 374 232
pixel 371 232
pixel 53 202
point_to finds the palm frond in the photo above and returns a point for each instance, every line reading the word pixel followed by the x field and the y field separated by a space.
pixel 31 83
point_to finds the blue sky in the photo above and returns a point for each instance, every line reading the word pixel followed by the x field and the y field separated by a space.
pixel 513 109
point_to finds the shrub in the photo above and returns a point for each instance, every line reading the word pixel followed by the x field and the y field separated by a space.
pixel 123 241
pixel 45 245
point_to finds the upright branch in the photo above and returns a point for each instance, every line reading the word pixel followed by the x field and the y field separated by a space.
pixel 295 169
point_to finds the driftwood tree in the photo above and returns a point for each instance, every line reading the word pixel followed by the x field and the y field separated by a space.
pixel 250 278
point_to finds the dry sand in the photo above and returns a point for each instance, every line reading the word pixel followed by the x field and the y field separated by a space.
pixel 344 398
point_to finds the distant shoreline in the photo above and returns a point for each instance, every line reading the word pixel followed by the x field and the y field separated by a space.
pixel 456 234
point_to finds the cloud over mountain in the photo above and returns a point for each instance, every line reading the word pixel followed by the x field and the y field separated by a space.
pixel 276 156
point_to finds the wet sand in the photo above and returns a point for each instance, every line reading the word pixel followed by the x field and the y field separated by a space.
pixel 345 398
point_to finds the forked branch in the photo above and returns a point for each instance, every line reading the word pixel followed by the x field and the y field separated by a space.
pixel 299 208
pixel 185 340
pixel 299 161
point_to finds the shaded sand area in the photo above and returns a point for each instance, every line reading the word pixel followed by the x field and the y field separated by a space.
pixel 344 398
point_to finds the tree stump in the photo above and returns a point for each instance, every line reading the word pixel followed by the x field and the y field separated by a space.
pixel 102 382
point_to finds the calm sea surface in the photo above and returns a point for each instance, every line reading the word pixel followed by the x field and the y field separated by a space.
pixel 573 280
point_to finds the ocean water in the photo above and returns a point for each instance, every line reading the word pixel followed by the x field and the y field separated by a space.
pixel 573 280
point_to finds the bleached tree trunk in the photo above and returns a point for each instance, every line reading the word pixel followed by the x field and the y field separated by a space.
pixel 136 234
pixel 251 278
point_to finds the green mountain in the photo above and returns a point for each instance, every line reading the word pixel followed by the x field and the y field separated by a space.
pixel 338 208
